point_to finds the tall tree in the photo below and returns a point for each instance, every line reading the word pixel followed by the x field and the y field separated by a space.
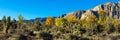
pixel 8 23
pixel 49 21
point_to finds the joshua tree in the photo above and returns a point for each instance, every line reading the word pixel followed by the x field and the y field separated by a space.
pixel 20 20
pixel 8 23
pixel 14 25
pixel 4 23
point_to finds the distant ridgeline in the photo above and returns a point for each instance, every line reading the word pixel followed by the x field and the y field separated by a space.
pixel 113 10
pixel 40 19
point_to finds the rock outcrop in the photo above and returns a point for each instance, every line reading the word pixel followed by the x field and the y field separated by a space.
pixel 113 9
pixel 78 14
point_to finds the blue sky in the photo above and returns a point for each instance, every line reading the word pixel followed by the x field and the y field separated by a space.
pixel 31 9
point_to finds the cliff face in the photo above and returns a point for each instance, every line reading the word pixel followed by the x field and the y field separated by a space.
pixel 113 10
pixel 78 14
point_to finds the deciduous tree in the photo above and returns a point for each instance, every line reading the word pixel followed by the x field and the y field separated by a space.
pixel 49 21
pixel 60 21
pixel 71 19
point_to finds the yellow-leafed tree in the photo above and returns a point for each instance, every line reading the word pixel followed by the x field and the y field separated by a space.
pixel 60 21
pixel 102 17
pixel 49 21
pixel 91 18
pixel 104 21
pixel 115 22
pixel 71 19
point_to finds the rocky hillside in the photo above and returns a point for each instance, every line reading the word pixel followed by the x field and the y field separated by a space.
pixel 112 8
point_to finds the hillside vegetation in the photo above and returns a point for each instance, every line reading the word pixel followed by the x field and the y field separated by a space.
pixel 68 28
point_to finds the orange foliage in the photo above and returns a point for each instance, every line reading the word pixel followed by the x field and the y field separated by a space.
pixel 49 21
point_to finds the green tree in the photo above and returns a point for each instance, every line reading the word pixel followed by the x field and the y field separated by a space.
pixel 20 20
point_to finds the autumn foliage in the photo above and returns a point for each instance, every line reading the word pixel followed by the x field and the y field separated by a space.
pixel 71 19
pixel 60 21
pixel 49 21
pixel 68 27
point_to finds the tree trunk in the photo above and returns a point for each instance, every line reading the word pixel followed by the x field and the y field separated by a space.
pixel 5 29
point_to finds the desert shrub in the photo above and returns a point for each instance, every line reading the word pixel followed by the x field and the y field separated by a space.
pixel 2 37
pixel 82 30
pixel 45 35
pixel 111 29
pixel 1 28
pixel 119 29
pixel 62 30
pixel 73 37
pixel 99 29
pixel 11 31
pixel 28 32
pixel 17 37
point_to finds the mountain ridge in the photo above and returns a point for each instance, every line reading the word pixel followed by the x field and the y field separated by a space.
pixel 112 8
